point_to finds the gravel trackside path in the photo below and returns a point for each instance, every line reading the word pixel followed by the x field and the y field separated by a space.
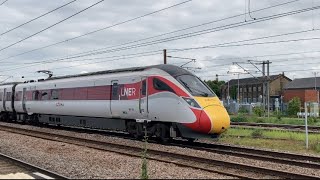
pixel 81 162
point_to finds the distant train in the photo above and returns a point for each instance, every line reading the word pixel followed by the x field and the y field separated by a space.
pixel 175 102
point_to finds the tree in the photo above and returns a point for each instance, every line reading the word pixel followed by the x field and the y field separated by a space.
pixel 215 86
pixel 294 106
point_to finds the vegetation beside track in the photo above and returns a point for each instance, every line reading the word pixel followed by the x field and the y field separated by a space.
pixel 274 120
pixel 272 139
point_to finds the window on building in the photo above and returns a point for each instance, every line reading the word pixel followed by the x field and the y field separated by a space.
pixel 259 88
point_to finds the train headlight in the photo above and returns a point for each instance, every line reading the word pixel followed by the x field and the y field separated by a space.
pixel 191 102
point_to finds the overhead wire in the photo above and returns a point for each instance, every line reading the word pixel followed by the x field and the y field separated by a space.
pixel 245 40
pixel 216 46
pixel 6 47
pixel 265 55
pixel 98 30
pixel 120 58
pixel 152 43
pixel 272 42
pixel 38 17
pixel 191 27
pixel 188 35
pixel 30 64
pixel 282 41
pixel 3 2
pixel 225 27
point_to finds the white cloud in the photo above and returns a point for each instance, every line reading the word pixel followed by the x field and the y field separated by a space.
pixel 193 13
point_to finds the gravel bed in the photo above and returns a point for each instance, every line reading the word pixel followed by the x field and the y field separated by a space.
pixel 204 154
pixel 82 162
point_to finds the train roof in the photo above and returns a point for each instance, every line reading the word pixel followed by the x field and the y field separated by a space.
pixel 170 69
pixel 10 83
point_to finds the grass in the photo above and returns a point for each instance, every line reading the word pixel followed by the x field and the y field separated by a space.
pixel 274 120
pixel 277 139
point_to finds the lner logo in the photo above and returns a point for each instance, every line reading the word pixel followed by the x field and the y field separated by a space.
pixel 128 92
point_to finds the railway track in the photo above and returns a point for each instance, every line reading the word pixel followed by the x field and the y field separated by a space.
pixel 211 165
pixel 257 154
pixel 297 128
pixel 10 165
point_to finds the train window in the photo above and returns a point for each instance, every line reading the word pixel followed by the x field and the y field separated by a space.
pixel 160 85
pixel 54 94
pixel 44 95
pixel 195 86
pixel 115 91
pixel 144 88
pixel 35 95
pixel 8 97
pixel 1 94
pixel 17 96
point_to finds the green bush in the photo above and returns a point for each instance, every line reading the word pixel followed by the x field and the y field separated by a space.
pixel 312 120
pixel 316 147
pixel 239 118
pixel 294 106
pixel 257 133
pixel 243 110
pixel 258 111
pixel 279 116
pixel 260 120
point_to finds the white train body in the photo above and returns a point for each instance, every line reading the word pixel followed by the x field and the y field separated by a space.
pixel 118 99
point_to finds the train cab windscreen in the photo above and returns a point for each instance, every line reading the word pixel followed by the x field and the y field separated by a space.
pixel 195 86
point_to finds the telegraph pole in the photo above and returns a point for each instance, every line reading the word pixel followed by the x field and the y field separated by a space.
pixel 268 87
pixel 264 86
pixel 164 56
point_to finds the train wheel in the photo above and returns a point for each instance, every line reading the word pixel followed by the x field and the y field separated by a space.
pixel 135 129
pixel 162 133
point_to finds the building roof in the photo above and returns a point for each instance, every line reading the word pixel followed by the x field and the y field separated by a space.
pixel 257 80
pixel 303 83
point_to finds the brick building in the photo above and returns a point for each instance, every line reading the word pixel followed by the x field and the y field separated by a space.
pixel 251 89
pixel 303 88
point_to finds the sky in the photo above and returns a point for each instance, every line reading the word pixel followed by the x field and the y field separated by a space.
pixel 214 33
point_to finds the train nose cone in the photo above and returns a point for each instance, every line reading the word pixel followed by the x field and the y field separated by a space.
pixel 218 115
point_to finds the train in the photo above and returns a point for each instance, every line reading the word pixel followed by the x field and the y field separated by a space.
pixel 166 101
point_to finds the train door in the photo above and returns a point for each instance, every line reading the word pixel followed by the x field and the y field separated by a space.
pixel 115 99
pixel 143 98
pixel 24 98
pixel 4 99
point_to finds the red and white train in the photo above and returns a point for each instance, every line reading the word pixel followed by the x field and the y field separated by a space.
pixel 175 102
